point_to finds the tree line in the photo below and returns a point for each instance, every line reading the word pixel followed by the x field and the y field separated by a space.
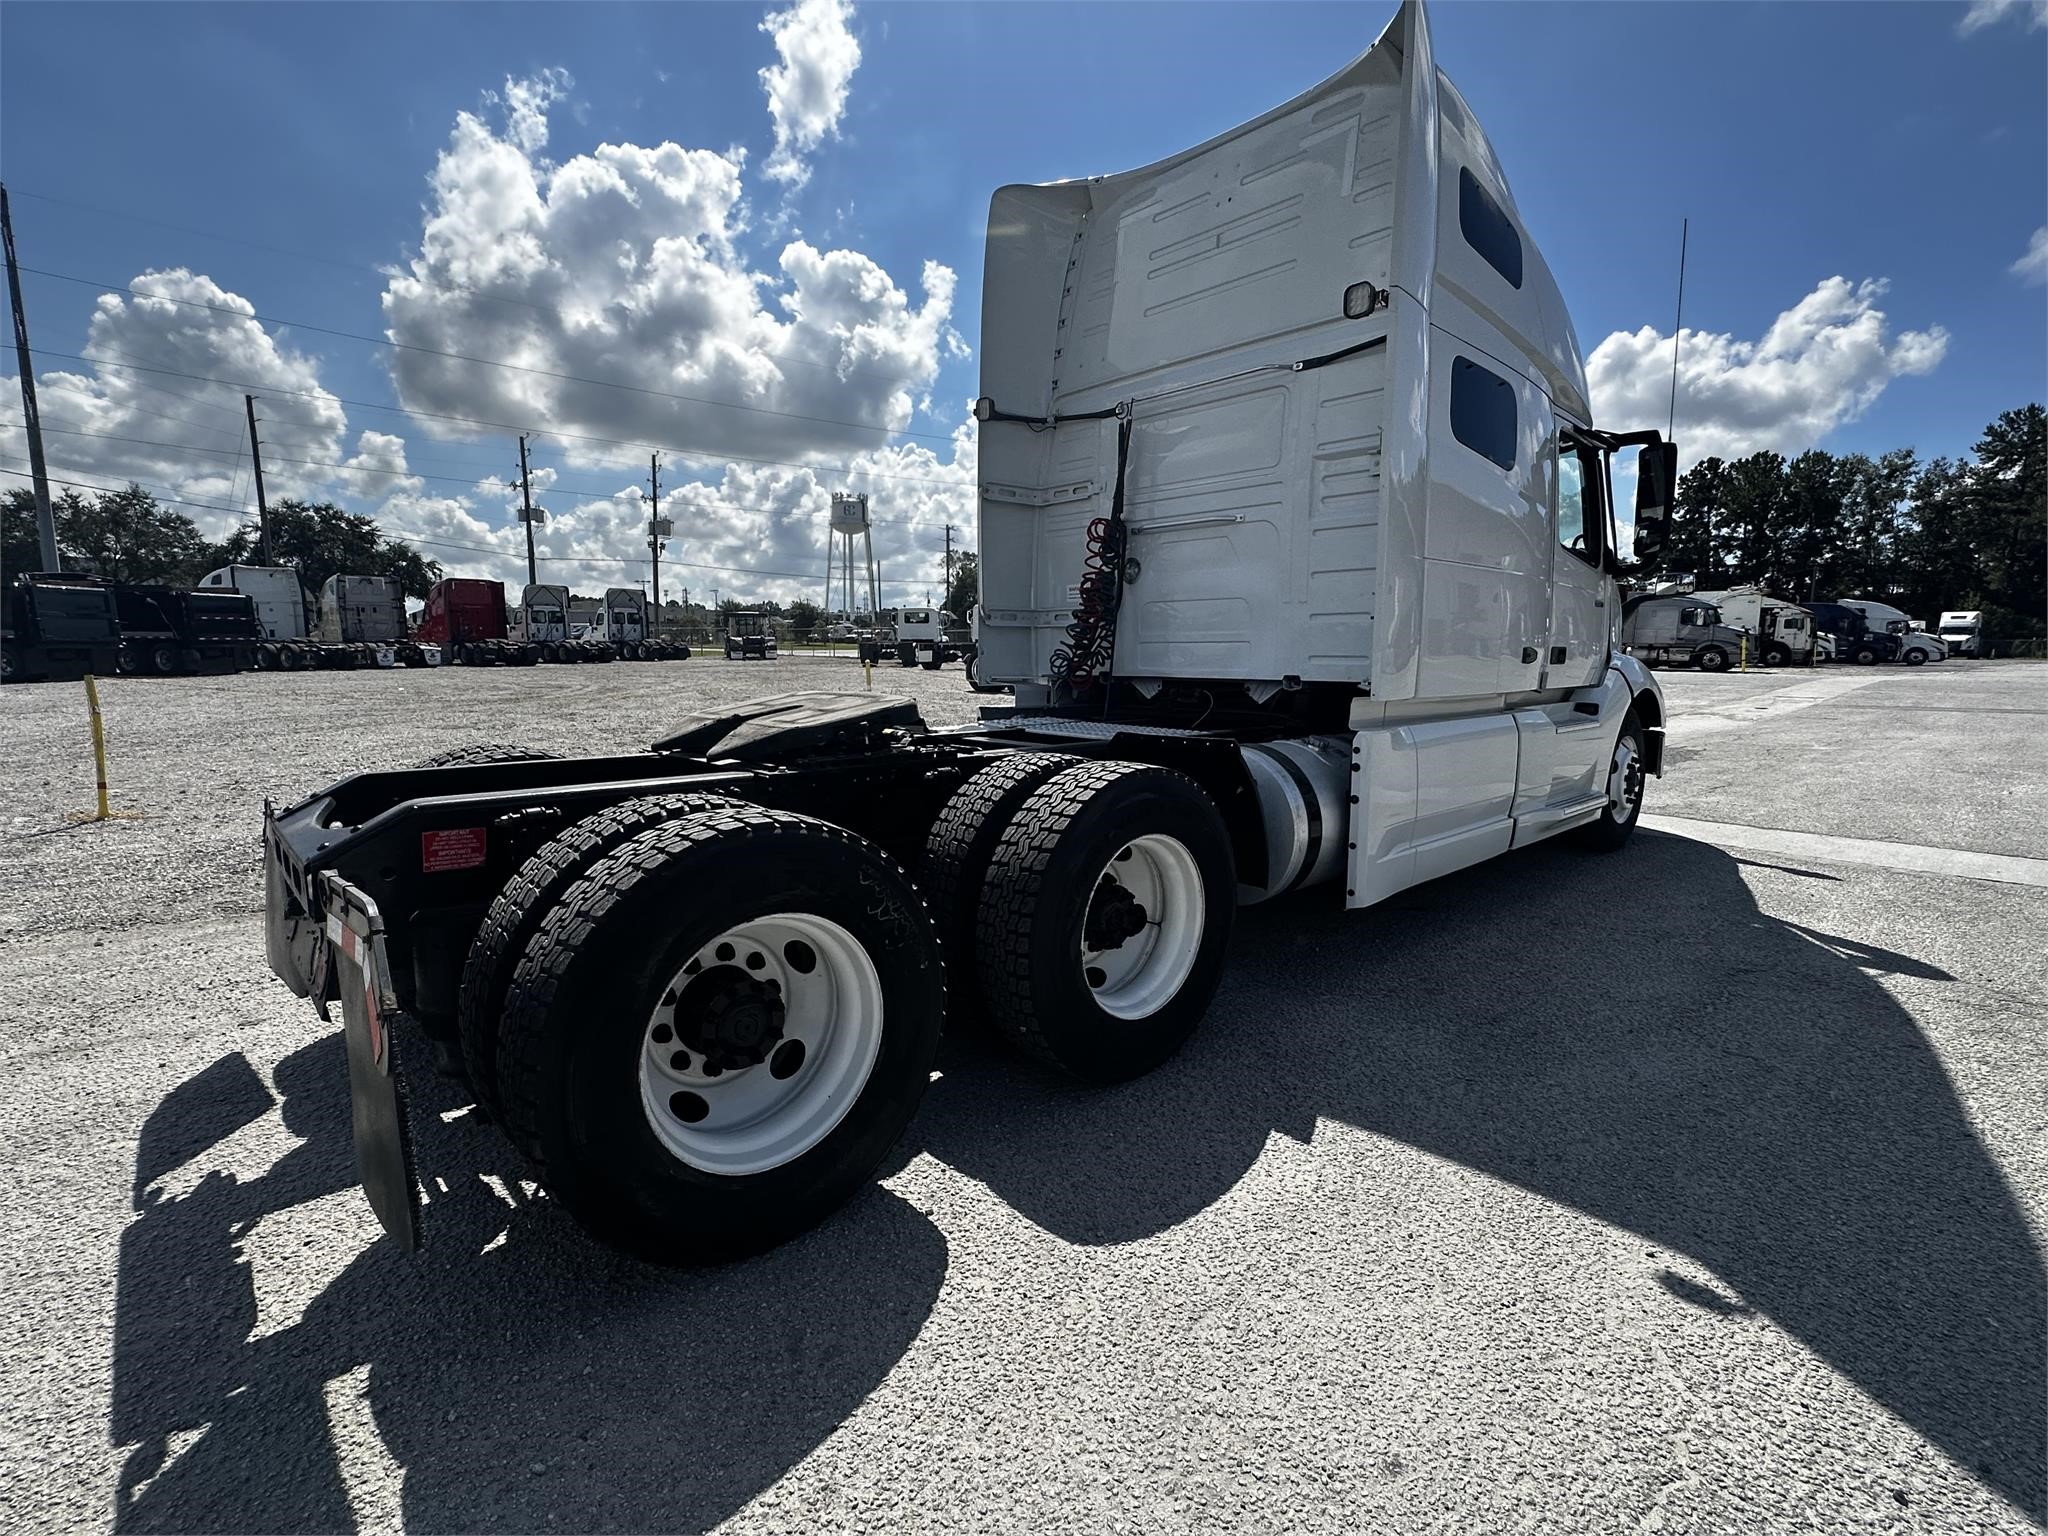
pixel 127 535
pixel 1925 537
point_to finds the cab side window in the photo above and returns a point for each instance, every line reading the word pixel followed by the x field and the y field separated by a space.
pixel 1580 504
pixel 1571 502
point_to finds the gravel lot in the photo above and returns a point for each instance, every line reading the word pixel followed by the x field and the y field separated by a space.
pixel 1697 1189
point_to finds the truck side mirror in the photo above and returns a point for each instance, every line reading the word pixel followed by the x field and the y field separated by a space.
pixel 1656 489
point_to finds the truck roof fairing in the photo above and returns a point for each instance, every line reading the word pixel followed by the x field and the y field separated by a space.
pixel 1024 215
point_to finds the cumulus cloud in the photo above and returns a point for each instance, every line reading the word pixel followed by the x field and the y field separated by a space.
pixel 115 419
pixel 758 532
pixel 2032 267
pixel 615 285
pixel 377 469
pixel 807 88
pixel 619 282
pixel 1821 363
pixel 2032 14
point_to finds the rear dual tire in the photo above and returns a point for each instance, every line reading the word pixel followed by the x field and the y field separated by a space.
pixel 524 904
pixel 1103 917
pixel 800 934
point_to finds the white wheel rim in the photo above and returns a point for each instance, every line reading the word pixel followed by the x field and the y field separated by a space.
pixel 1140 975
pixel 1624 781
pixel 769 1112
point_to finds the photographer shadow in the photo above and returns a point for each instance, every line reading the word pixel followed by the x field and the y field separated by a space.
pixel 1630 1037
pixel 520 1376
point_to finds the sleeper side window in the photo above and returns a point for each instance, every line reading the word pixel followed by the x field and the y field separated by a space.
pixel 1483 412
pixel 1488 229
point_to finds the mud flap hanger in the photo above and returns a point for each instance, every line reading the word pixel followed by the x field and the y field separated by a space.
pixel 355 951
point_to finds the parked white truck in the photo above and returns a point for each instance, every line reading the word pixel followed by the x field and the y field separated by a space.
pixel 543 621
pixel 1782 630
pixel 1917 646
pixel 1298 551
pixel 1962 631
pixel 622 623
pixel 279 597
pixel 357 621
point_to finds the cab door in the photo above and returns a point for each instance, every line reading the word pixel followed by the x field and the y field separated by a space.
pixel 1575 655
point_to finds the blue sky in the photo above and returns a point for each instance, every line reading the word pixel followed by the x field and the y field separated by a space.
pixel 1804 142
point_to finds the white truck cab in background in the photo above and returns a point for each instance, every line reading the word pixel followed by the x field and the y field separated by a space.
pixel 1288 436
pixel 1962 631
pixel 279 597
pixel 1917 646
pixel 1783 629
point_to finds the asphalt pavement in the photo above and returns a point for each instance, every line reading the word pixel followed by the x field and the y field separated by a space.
pixel 1694 1188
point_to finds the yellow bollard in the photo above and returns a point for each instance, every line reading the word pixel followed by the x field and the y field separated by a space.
pixel 105 812
pixel 868 667
pixel 1742 646
pixel 99 744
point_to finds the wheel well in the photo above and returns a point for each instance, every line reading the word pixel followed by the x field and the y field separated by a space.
pixel 1651 715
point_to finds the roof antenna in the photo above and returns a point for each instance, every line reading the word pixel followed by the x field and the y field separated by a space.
pixel 1684 230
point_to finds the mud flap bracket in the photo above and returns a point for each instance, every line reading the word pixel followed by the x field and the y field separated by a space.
pixel 355 950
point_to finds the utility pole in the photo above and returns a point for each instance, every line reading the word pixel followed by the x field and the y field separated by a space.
pixel 946 591
pixel 262 505
pixel 658 527
pixel 31 419
pixel 526 510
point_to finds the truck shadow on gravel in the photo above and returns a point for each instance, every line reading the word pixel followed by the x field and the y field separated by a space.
pixel 521 1377
pixel 1686 1067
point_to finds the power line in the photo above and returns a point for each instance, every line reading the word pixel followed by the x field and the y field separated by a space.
pixel 707 455
pixel 471 481
pixel 485 362
pixel 123 405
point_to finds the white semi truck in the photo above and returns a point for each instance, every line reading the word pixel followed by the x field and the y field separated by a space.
pixel 357 621
pixel 1782 631
pixel 622 623
pixel 1962 631
pixel 1299 555
pixel 1917 645
pixel 543 622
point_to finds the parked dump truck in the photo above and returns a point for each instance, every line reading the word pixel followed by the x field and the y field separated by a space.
pixel 1301 561
pixel 465 618
pixel 1781 632
pixel 1683 631
pixel 58 627
pixel 169 631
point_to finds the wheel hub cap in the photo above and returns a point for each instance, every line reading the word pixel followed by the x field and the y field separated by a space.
pixel 729 1018
pixel 1114 916
pixel 1143 927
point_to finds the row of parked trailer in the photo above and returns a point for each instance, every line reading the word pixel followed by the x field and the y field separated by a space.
pixel 65 625
pixel 1675 625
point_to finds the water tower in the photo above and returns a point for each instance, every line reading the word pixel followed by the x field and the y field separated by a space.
pixel 850 522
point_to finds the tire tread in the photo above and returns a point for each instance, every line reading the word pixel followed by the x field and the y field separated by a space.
pixel 519 909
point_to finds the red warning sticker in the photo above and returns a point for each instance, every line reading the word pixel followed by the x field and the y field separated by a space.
pixel 455 848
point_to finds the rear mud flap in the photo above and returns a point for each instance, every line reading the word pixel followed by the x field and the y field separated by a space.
pixel 369 1010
